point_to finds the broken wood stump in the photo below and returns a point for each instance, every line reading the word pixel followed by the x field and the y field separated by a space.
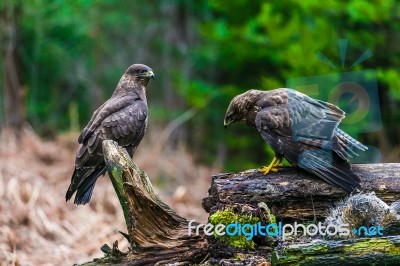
pixel 158 236
pixel 156 233
pixel 294 194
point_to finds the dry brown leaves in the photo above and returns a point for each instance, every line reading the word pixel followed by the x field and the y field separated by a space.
pixel 37 226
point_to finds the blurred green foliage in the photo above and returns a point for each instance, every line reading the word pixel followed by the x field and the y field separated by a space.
pixel 203 53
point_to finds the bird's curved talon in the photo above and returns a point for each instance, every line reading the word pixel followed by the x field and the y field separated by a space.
pixel 309 131
pixel 265 170
pixel 272 167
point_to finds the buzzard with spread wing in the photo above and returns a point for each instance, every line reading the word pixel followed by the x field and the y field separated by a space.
pixel 301 129
pixel 123 118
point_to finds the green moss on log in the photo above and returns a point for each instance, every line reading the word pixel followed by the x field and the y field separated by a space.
pixel 363 251
pixel 118 184
pixel 227 217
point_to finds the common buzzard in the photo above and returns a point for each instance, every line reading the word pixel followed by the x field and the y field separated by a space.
pixel 123 118
pixel 301 129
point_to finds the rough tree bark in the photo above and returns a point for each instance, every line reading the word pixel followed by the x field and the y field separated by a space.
pixel 156 233
pixel 293 194
pixel 365 251
pixel 158 236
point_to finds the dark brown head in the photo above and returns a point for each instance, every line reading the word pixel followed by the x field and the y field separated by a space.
pixel 240 106
pixel 140 73
pixel 135 78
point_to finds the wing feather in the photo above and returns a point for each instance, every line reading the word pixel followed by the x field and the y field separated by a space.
pixel 125 123
pixel 111 106
pixel 304 130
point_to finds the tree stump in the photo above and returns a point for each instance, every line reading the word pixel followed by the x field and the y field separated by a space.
pixel 158 236
pixel 156 233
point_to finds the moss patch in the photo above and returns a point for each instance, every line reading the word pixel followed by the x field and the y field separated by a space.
pixel 227 217
pixel 377 244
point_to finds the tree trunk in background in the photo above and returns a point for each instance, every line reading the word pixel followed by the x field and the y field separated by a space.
pixel 13 91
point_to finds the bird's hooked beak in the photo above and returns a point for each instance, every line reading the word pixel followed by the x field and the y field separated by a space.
pixel 227 122
pixel 151 75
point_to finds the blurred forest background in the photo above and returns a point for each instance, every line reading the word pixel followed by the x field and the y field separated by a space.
pixel 61 59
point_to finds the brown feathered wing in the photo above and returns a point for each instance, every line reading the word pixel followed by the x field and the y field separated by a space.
pixel 122 119
pixel 306 132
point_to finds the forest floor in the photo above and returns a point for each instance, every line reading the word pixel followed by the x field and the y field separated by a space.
pixel 37 226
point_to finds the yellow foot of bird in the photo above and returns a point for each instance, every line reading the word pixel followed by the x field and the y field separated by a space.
pixel 265 170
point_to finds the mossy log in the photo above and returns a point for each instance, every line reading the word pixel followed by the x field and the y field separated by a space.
pixel 364 251
pixel 159 236
pixel 294 194
pixel 156 233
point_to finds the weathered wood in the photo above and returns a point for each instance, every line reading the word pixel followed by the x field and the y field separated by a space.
pixel 292 193
pixel 157 234
pixel 364 251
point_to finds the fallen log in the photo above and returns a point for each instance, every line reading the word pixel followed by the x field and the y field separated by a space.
pixel 158 236
pixel 294 194
pixel 364 251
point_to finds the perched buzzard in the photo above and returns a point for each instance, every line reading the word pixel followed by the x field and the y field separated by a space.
pixel 301 129
pixel 123 118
